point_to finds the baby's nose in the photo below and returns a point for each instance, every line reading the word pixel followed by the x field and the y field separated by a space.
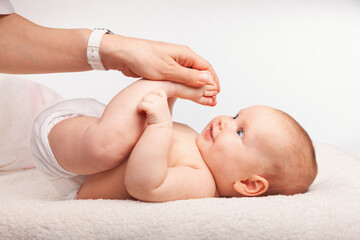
pixel 223 122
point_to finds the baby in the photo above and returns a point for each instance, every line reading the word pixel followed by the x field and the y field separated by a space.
pixel 131 148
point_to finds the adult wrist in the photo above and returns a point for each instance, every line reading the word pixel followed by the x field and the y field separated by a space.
pixel 112 51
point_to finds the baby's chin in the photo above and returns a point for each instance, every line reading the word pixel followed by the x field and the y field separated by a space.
pixel 200 143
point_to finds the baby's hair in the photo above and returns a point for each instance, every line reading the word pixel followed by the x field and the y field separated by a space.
pixel 298 155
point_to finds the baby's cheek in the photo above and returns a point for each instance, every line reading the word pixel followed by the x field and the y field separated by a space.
pixel 224 143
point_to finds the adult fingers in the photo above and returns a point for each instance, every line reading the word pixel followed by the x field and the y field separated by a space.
pixel 189 59
pixel 200 63
pixel 215 77
pixel 192 77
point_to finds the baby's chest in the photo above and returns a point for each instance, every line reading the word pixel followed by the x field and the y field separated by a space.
pixel 184 150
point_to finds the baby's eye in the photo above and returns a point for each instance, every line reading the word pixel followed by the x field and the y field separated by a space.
pixel 240 133
pixel 236 116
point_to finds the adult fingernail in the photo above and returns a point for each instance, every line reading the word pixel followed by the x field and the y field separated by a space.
pixel 204 77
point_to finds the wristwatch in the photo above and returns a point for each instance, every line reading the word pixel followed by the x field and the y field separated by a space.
pixel 93 55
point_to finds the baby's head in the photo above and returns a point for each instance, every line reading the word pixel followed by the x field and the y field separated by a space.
pixel 260 151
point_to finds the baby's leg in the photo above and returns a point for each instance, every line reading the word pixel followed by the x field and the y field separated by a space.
pixel 72 144
pixel 88 145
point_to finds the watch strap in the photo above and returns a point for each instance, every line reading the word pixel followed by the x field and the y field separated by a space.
pixel 93 54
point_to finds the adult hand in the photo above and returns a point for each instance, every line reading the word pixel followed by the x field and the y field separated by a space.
pixel 155 60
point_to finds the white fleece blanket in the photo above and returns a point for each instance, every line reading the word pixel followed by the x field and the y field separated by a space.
pixel 31 209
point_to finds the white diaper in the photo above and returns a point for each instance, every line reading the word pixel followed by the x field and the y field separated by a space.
pixel 65 182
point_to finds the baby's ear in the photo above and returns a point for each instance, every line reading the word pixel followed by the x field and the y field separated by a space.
pixel 251 186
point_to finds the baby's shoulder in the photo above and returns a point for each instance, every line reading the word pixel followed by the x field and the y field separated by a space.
pixel 180 127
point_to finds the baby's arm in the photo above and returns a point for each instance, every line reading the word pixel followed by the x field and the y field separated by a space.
pixel 147 175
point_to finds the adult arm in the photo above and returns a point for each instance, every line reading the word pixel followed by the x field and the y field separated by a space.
pixel 26 47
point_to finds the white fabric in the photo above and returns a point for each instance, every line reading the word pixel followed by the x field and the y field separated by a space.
pixel 20 102
pixel 6 7
pixel 356 152
pixel 65 182
pixel 30 209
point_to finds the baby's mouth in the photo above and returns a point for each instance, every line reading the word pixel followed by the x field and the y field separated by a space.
pixel 209 133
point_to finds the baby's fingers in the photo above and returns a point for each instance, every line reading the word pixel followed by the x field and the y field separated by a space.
pixel 151 100
pixel 143 106
pixel 146 103
pixel 161 93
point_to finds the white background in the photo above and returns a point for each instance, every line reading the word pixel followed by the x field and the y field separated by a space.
pixel 302 56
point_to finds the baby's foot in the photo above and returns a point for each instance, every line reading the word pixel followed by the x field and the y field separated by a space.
pixel 205 95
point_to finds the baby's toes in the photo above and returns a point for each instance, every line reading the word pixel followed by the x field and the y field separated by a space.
pixel 213 102
pixel 210 92
pixel 210 89
pixel 208 101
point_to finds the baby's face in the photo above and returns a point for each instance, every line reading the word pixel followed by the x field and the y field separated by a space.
pixel 234 148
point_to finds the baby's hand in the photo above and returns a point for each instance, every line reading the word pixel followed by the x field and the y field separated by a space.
pixel 156 107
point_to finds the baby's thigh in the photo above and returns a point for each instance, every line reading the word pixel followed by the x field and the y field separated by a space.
pixel 83 145
pixel 74 144
pixel 64 134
